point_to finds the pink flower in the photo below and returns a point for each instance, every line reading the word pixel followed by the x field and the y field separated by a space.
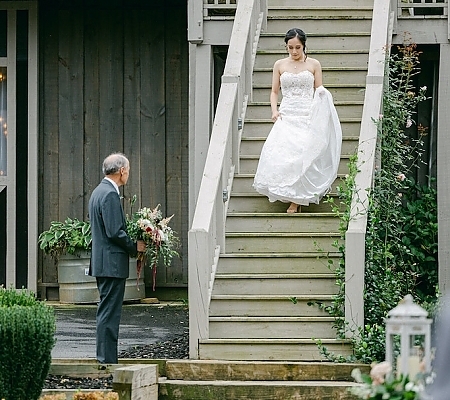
pixel 379 371
pixel 401 177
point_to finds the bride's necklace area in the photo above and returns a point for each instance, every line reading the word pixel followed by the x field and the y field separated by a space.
pixel 296 63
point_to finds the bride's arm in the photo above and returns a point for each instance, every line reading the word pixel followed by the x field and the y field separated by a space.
pixel 275 90
pixel 317 74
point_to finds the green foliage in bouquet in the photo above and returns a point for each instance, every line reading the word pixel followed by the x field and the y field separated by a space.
pixel 27 336
pixel 66 237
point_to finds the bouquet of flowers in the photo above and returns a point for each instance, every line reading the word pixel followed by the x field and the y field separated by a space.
pixel 383 384
pixel 150 226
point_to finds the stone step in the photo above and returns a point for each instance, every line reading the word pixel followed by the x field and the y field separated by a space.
pixel 282 263
pixel 345 110
pixel 195 390
pixel 330 58
pixel 338 41
pixel 261 128
pixel 282 222
pixel 243 184
pixel 263 242
pixel 254 145
pixel 275 284
pixel 323 25
pixel 270 349
pixel 331 75
pixel 265 305
pixel 261 93
pixel 249 163
pixel 271 327
pixel 223 370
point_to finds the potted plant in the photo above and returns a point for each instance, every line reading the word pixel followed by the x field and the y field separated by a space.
pixel 69 237
pixel 69 244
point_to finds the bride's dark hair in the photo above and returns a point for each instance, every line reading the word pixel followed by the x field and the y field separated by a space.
pixel 299 34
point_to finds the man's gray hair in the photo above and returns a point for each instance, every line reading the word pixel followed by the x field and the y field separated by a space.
pixel 113 163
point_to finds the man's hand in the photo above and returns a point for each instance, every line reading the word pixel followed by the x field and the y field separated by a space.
pixel 141 246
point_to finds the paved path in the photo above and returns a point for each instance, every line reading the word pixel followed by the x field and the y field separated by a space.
pixel 141 324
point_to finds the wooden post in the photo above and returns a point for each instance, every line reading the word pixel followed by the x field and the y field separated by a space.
pixel 135 382
pixel 443 169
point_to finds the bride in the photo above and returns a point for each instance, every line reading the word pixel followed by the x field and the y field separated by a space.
pixel 300 157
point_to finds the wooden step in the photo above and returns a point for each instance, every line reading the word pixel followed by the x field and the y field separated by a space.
pixel 261 93
pixel 336 41
pixel 281 222
pixel 282 263
pixel 330 4
pixel 223 370
pixel 345 109
pixel 270 349
pixel 265 305
pixel 270 327
pixel 242 183
pixel 249 163
pixel 331 75
pixel 314 11
pixel 321 24
pixel 305 390
pixel 342 59
pixel 273 283
pixel 254 145
pixel 257 128
pixel 263 242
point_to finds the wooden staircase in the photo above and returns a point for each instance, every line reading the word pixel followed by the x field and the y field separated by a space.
pixel 272 257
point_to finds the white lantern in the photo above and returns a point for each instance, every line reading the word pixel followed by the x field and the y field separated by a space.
pixel 408 338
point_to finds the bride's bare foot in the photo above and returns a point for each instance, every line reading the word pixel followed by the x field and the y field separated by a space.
pixel 293 208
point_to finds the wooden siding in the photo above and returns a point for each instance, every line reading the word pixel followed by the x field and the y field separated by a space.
pixel 114 77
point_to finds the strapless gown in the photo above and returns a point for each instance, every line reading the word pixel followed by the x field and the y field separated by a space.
pixel 300 158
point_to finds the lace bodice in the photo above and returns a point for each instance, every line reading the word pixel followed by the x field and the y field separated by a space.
pixel 300 84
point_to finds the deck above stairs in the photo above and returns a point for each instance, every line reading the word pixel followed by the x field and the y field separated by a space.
pixel 272 257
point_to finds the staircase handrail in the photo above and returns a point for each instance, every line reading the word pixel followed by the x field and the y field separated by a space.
pixel 207 234
pixel 380 41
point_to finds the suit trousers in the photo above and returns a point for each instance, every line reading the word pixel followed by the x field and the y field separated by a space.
pixel 109 311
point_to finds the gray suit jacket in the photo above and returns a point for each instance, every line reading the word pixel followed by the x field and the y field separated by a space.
pixel 111 246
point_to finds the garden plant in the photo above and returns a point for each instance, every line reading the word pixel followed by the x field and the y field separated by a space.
pixel 401 236
pixel 27 336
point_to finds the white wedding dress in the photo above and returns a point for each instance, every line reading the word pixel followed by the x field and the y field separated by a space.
pixel 300 157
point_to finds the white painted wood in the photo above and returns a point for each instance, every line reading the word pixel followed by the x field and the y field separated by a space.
pixel 355 236
pixel 206 236
pixel 443 169
pixel 195 21
pixel 200 108
pixel 11 153
pixel 33 163
pixel 273 349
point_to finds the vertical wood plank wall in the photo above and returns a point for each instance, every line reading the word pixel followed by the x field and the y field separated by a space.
pixel 114 77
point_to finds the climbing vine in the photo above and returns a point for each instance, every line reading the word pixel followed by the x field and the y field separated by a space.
pixel 401 236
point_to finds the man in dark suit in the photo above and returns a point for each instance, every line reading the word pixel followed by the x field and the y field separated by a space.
pixel 111 248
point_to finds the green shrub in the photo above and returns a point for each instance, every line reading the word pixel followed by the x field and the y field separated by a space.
pixel 27 336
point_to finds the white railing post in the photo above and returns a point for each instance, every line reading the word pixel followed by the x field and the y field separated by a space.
pixel 195 21
pixel 207 233
pixel 355 235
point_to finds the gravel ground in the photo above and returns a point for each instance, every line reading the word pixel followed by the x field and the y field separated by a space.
pixel 175 347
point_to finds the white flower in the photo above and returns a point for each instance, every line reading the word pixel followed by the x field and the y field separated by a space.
pixel 409 386
pixel 356 375
pixel 408 123
pixel 401 177
pixel 423 88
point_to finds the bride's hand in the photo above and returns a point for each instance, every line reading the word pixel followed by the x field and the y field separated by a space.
pixel 275 116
